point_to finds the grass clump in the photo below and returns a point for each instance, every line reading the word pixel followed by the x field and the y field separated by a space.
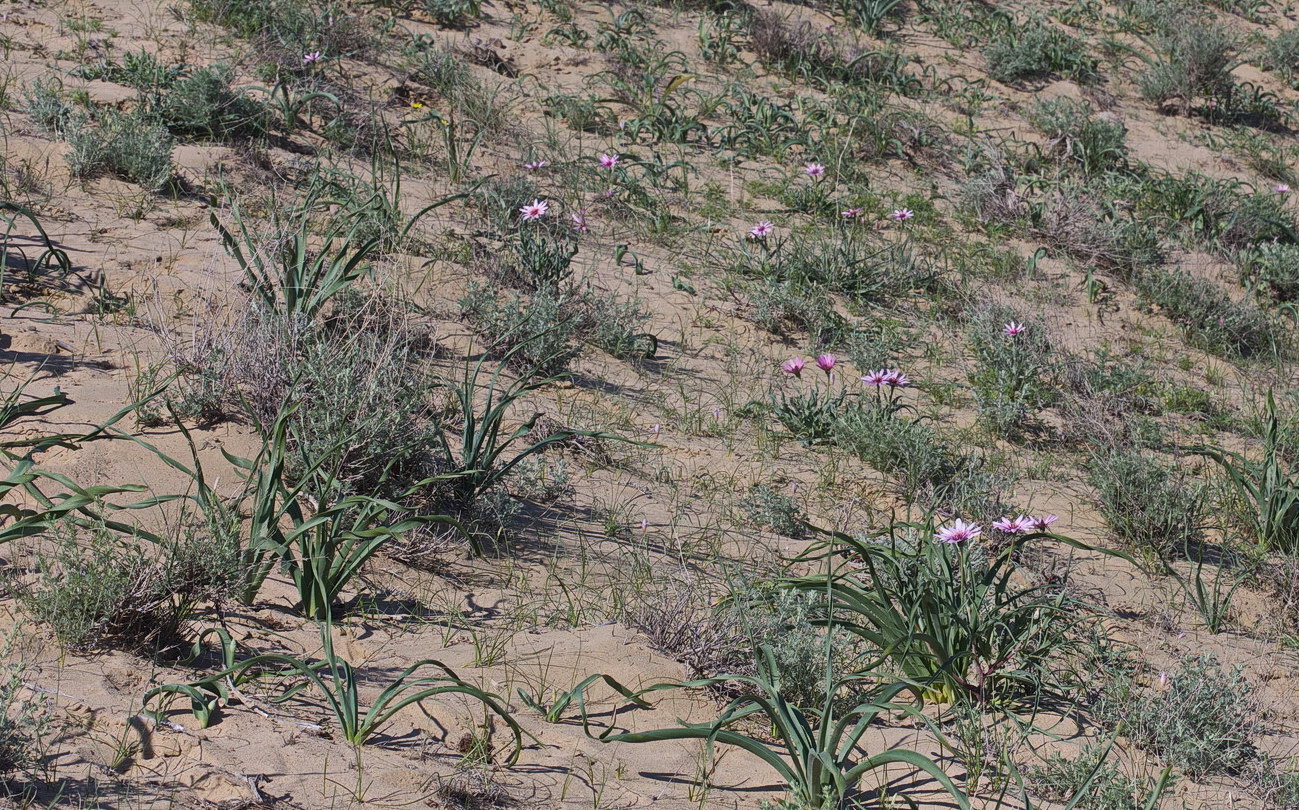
pixel 540 326
pixel 1149 505
pixel 1203 721
pixel 1194 60
pixel 1211 319
pixel 1102 784
pixel 203 105
pixel 1078 139
pixel 1271 268
pixel 98 589
pixel 128 145
pixel 769 508
pixel 1038 50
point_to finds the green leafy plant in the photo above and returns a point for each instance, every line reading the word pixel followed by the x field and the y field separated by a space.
pixel 333 680
pixel 298 278
pixel 1148 504
pixel 129 145
pixel 1202 721
pixel 561 701
pixel 484 451
pixel 1267 485
pixel 955 617
pixel 815 751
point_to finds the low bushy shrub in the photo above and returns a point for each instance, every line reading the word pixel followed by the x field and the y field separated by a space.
pixel 129 145
pixel 542 326
pixel 97 588
pixel 1036 50
pixel 1203 721
pixel 203 105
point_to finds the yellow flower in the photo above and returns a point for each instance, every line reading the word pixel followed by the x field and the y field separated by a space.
pixel 415 105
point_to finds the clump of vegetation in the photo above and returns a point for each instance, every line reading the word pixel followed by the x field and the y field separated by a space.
pixel 1102 784
pixel 1078 139
pixel 1271 268
pixel 541 326
pixel 1149 505
pixel 1202 719
pixel 1211 319
pixel 1195 57
pixel 1037 50
pixel 129 145
pixel 96 588
pixel 1012 369
pixel 203 105
pixel 771 509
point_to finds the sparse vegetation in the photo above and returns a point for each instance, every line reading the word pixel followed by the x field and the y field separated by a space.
pixel 440 375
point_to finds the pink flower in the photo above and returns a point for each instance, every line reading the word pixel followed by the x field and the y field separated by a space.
pixel 532 166
pixel 1015 525
pixel 958 532
pixel 314 56
pixel 894 378
pixel 762 230
pixel 1041 524
pixel 579 221
pixel 825 362
pixel 851 213
pixel 1281 188
pixel 607 194
pixel 876 378
pixel 902 214
pixel 1012 329
pixel 815 170
pixel 536 210
pixel 609 161
pixel 793 365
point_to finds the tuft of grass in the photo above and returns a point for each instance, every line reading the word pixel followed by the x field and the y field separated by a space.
pixel 1101 784
pixel 1078 139
pixel 1194 59
pixel 1211 319
pixel 129 145
pixel 537 332
pixel 96 588
pixel 203 105
pixel 1149 505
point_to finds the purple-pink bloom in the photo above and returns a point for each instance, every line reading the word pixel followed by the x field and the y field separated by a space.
pixel 958 532
pixel 1281 188
pixel 825 362
pixel 902 214
pixel 314 56
pixel 876 378
pixel 762 230
pixel 815 170
pixel 1015 525
pixel 579 221
pixel 536 210
pixel 894 378
pixel 851 213
pixel 532 166
pixel 793 365
pixel 1041 524
pixel 609 161
pixel 1012 329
